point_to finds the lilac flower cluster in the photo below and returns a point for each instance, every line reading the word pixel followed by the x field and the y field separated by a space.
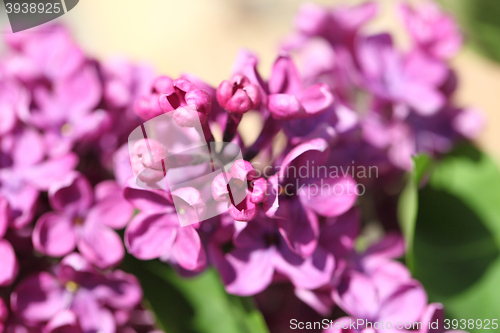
pixel 63 116
pixel 67 182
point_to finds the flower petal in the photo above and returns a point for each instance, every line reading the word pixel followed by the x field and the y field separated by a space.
pixel 189 205
pixel 254 270
pixel 44 174
pixel 148 236
pixel 54 235
pixel 92 316
pixel 405 305
pixel 38 298
pixel 29 148
pixel 310 273
pixel 302 156
pixel 188 250
pixel 22 205
pixel 316 98
pixel 300 229
pixel 120 290
pixel 283 106
pixel 100 245
pixel 285 78
pixel 73 195
pixel 149 201
pixel 111 209
pixel 338 234
pixel 245 211
pixel 357 296
pixel 424 99
pixel 8 262
pixel 330 196
pixel 63 322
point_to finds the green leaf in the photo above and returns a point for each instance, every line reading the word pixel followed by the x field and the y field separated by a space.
pixel 479 20
pixel 457 236
pixel 408 203
pixel 194 305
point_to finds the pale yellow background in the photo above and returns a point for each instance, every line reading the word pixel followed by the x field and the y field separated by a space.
pixel 203 36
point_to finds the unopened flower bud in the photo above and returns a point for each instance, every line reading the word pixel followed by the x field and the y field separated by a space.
pixel 191 105
pixel 238 95
pixel 149 160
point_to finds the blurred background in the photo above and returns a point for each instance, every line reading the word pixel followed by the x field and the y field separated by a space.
pixel 203 37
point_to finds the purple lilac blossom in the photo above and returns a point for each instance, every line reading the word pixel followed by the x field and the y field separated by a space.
pixel 355 101
pixel 83 219
pixel 76 296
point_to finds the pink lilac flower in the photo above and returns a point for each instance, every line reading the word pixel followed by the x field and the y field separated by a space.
pixel 337 236
pixel 50 54
pixel 338 25
pixel 190 104
pixel 413 79
pixel 238 95
pixel 376 288
pixel 124 82
pixel 295 199
pixel 14 100
pixel 147 106
pixel 155 232
pixel 84 219
pixel 260 251
pixel 24 171
pixel 68 113
pixel 397 90
pixel 289 98
pixel 370 300
pixel 357 100
pixel 77 298
pixel 149 160
pixel 63 87
pixel 242 198
pixel 432 30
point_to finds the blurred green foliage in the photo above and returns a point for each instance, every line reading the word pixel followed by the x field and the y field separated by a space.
pixel 194 305
pixel 408 203
pixel 480 22
pixel 457 235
